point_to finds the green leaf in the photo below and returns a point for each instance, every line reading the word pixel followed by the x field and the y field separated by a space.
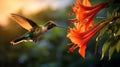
pixel 105 48
pixel 117 33
pixel 114 13
pixel 111 51
pixel 113 30
pixel 118 46
pixel 102 32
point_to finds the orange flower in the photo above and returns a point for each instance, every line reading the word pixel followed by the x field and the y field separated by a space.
pixel 80 39
pixel 85 12
pixel 81 33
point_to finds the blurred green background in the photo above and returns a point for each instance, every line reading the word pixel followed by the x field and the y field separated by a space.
pixel 51 49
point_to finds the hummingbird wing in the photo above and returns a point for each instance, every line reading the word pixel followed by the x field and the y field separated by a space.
pixel 22 38
pixel 24 22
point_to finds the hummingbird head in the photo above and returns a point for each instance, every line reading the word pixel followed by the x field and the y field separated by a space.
pixel 50 24
pixel 39 31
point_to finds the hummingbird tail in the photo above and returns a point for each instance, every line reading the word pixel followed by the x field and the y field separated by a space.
pixel 19 40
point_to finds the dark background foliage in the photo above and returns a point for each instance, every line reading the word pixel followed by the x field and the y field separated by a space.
pixel 51 49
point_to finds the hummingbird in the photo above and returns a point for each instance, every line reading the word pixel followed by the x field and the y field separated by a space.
pixel 34 31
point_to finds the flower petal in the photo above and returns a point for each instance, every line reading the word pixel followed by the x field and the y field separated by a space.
pixel 82 50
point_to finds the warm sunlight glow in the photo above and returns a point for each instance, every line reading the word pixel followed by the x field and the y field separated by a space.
pixel 27 7
pixel 6 7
